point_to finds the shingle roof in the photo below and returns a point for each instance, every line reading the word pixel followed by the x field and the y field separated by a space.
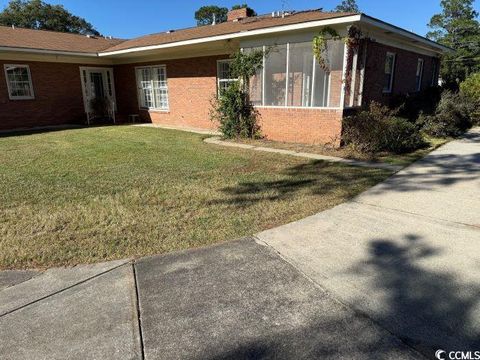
pixel 51 40
pixel 253 23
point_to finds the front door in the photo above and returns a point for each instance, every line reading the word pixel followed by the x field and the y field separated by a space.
pixel 97 83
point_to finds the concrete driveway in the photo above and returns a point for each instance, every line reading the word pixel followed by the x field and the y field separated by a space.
pixel 394 274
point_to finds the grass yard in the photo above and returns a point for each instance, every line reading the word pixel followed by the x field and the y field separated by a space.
pixel 96 194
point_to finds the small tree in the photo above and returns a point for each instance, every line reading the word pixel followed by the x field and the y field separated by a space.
pixel 348 6
pixel 232 108
pixel 207 14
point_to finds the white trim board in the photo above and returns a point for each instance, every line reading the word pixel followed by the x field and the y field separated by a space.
pixel 360 18
pixel 245 34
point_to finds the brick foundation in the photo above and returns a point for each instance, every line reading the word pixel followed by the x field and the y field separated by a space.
pixel 309 126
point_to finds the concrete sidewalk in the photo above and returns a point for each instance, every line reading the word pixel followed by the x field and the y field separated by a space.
pixel 238 300
pixel 406 253
pixel 394 274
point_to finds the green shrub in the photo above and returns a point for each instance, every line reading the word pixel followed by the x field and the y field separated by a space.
pixel 235 114
pixel 378 129
pixel 410 106
pixel 471 89
pixel 232 108
pixel 452 118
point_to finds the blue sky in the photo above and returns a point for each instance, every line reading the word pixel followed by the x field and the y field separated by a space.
pixel 127 18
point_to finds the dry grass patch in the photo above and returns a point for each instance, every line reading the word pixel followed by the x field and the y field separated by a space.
pixel 90 195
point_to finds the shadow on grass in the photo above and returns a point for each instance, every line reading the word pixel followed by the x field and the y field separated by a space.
pixel 315 177
pixel 38 130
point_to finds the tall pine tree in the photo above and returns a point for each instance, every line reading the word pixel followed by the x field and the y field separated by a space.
pixel 457 27
pixel 348 6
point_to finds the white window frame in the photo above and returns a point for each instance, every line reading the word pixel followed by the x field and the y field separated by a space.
pixel 12 97
pixel 139 96
pixel 392 75
pixel 221 80
pixel 420 66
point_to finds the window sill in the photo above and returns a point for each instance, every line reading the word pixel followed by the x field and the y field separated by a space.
pixel 297 107
pixel 21 98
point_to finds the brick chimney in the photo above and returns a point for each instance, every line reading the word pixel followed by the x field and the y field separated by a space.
pixel 238 14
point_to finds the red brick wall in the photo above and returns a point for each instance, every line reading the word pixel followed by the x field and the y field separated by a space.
pixel 404 75
pixel 309 126
pixel 58 97
pixel 192 83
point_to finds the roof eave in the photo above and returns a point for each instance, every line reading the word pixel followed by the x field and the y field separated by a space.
pixel 243 34
pixel 366 19
pixel 48 52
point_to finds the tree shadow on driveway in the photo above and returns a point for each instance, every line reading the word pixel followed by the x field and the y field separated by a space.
pixel 427 306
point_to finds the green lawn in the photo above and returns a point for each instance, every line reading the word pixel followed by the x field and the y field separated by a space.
pixel 96 194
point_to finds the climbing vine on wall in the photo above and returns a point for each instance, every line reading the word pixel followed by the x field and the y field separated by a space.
pixel 320 43
pixel 320 46
pixel 353 40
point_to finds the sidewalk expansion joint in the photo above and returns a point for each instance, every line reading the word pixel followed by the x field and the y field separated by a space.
pixel 63 290
pixel 139 314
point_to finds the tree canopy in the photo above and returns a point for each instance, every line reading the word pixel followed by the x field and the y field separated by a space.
pixel 206 14
pixel 457 27
pixel 38 15
pixel 348 6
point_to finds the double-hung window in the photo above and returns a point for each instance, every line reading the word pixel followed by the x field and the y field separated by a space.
pixel 389 72
pixel 419 75
pixel 19 82
pixel 152 87
pixel 224 77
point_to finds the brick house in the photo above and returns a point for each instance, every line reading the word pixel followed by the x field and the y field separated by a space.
pixel 169 78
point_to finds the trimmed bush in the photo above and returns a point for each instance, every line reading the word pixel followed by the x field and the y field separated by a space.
pixel 378 129
pixel 452 118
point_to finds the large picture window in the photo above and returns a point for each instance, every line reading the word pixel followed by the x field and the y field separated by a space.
pixel 292 77
pixel 19 82
pixel 152 87
pixel 389 72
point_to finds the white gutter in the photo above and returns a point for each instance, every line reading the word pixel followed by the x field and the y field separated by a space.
pixel 397 30
pixel 243 34
pixel 48 52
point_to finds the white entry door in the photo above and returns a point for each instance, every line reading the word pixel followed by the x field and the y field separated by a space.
pixel 97 83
